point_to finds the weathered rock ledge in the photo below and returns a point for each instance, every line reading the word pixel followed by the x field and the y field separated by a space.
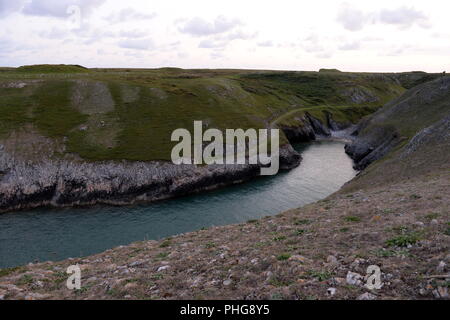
pixel 69 183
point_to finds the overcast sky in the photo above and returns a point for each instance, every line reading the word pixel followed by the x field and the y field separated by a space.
pixel 382 35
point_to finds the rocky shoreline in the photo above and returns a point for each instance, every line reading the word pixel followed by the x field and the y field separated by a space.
pixel 70 183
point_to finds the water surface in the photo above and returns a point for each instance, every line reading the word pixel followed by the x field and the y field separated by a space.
pixel 56 234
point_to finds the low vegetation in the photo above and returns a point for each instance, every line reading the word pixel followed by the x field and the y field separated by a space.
pixel 115 114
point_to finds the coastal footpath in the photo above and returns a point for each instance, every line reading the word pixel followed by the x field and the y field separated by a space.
pixel 394 215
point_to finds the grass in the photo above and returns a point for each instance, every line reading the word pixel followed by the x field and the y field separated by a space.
pixel 302 222
pixel 165 244
pixel 47 68
pixel 320 275
pixel 279 238
pixel 404 240
pixel 8 271
pixel 299 232
pixel 25 280
pixel 352 219
pixel 147 105
pixel 283 257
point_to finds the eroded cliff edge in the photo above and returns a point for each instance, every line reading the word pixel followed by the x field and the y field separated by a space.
pixel 72 183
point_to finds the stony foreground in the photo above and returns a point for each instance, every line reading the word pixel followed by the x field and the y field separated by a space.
pixel 321 251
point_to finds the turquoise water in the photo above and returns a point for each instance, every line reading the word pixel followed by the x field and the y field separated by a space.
pixel 56 234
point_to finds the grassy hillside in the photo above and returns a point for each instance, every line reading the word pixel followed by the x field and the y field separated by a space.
pixel 409 121
pixel 51 68
pixel 103 114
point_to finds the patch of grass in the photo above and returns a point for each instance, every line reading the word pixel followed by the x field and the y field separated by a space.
pixel 352 219
pixel 162 255
pixel 157 276
pixel 320 275
pixel 165 244
pixel 60 277
pixel 25 280
pixel 52 68
pixel 447 232
pixel 404 240
pixel 262 244
pixel 344 229
pixel 400 229
pixel 299 232
pixel 387 253
pixel 279 238
pixel 283 257
pixel 210 245
pixel 8 271
pixel 53 114
pixel 302 222
pixel 432 216
pixel 277 282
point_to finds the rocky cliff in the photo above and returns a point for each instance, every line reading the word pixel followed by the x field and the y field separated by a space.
pixel 417 112
pixel 69 183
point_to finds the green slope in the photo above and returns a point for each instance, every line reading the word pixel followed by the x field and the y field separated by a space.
pixel 113 114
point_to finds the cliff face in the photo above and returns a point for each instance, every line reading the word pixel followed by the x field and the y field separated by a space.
pixel 68 183
pixel 398 122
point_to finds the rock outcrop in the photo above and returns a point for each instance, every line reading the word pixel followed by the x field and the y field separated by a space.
pixel 419 108
pixel 69 183
pixel 309 128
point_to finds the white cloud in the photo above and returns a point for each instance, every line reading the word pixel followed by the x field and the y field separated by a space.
pixel 200 27
pixel 135 33
pixel 355 20
pixel 138 44
pixel 404 17
pixel 211 43
pixel 265 44
pixel 8 6
pixel 352 19
pixel 355 45
pixel 59 8
pixel 129 14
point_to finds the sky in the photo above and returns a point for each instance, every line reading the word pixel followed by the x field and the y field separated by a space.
pixel 372 36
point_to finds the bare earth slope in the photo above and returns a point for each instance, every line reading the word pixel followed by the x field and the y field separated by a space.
pixel 395 215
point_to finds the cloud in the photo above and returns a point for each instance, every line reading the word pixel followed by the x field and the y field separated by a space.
pixel 199 27
pixel 212 44
pixel 355 20
pixel 137 44
pixel 312 44
pixel 266 44
pixel 6 46
pixel 54 33
pixel 355 45
pixel 404 17
pixel 133 33
pixel 241 35
pixel 59 8
pixel 8 6
pixel 352 19
pixel 324 55
pixel 129 14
